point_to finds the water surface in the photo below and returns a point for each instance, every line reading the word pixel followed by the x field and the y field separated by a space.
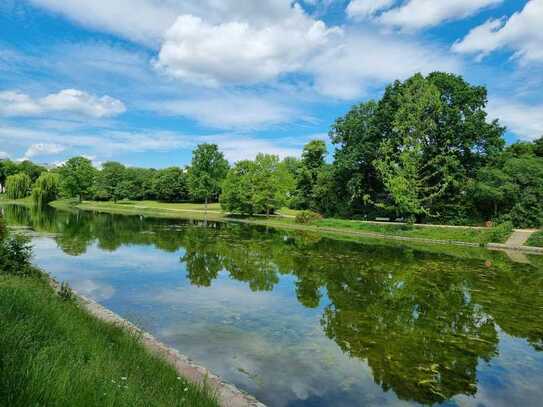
pixel 301 320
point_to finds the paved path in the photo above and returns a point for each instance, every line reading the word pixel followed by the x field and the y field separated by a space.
pixel 519 237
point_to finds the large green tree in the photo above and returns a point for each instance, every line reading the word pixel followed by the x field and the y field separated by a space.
pixel 416 149
pixel 170 185
pixel 77 177
pixel 207 172
pixel 107 181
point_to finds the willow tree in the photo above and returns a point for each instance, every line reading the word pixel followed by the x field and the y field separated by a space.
pixel 46 188
pixel 18 186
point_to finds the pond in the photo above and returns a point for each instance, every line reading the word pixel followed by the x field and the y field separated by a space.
pixel 297 319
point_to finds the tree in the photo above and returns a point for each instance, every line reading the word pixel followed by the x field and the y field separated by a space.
pixel 259 186
pixel 207 172
pixel 433 129
pixel 412 178
pixel 271 184
pixel 18 186
pixel 107 181
pixel 312 162
pixel 77 177
pixel 46 188
pixel 237 189
pixel 171 185
pixel 538 147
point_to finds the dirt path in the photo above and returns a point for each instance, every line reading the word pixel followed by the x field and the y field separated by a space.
pixel 519 237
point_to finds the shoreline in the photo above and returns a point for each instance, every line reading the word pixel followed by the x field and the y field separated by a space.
pixel 276 223
pixel 227 394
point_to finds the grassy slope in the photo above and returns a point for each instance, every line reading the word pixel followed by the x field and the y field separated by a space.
pixel 53 353
pixel 536 239
pixel 190 210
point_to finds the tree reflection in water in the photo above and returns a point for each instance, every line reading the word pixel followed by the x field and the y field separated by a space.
pixel 420 320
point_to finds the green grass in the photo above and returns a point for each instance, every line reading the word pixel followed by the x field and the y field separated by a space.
pixel 196 211
pixel 536 239
pixel 470 235
pixel 52 353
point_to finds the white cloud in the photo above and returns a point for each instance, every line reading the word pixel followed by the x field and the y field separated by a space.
pixel 240 52
pixel 145 21
pixel 137 20
pixel 416 14
pixel 367 59
pixel 525 120
pixel 41 149
pixel 237 147
pixel 521 33
pixel 361 9
pixel 229 111
pixel 4 155
pixel 13 103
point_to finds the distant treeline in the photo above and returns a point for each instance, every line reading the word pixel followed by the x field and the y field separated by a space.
pixel 425 151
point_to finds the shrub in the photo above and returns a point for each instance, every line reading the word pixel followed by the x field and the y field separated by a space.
pixel 499 233
pixel 15 256
pixel 306 217
pixel 65 292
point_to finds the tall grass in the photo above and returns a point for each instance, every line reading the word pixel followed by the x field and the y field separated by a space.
pixel 52 353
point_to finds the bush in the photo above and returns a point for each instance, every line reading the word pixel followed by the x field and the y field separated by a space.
pixel 499 233
pixel 306 217
pixel 15 256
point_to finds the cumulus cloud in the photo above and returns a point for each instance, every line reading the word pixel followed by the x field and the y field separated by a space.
pixel 417 14
pixel 145 21
pixel 41 149
pixel 4 155
pixel 13 103
pixel 366 60
pixel 523 119
pixel 239 52
pixel 521 33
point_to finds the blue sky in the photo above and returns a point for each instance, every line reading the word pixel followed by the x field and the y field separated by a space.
pixel 144 81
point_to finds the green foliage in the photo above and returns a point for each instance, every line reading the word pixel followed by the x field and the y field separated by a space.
pixel 306 217
pixel 414 150
pixel 238 187
pixel 108 180
pixel 207 172
pixel 307 176
pixel 15 256
pixel 18 186
pixel 170 185
pixel 59 355
pixel 498 233
pixel 536 239
pixel 257 187
pixel 65 292
pixel 46 188
pixel 77 177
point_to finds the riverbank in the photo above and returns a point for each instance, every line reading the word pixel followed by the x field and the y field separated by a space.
pixel 52 352
pixel 475 236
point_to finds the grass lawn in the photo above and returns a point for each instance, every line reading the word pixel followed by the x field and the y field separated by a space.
pixel 470 235
pixel 52 353
pixel 536 239
pixel 196 211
